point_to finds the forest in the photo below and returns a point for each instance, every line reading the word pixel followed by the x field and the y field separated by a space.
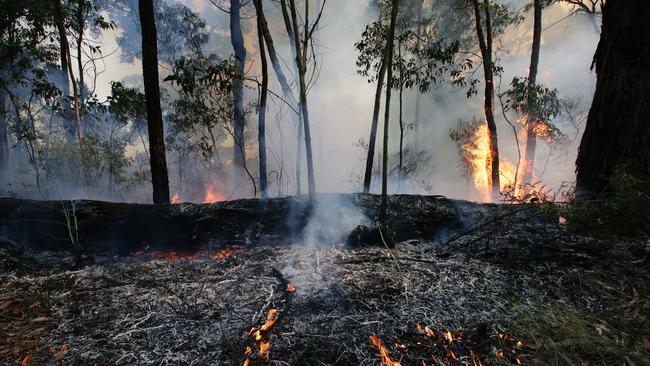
pixel 325 182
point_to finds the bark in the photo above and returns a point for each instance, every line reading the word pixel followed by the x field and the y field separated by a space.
pixel 237 41
pixel 618 128
pixel 372 141
pixel 4 137
pixel 383 210
pixel 531 121
pixel 263 96
pixel 417 128
pixel 301 46
pixel 158 161
pixel 485 44
pixel 402 127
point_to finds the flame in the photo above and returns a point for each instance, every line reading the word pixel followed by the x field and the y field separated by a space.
pixel 478 156
pixel 58 354
pixel 259 333
pixel 386 360
pixel 25 361
pixel 290 287
pixel 175 255
pixel 176 198
pixel 426 330
pixel 448 337
pixel 211 195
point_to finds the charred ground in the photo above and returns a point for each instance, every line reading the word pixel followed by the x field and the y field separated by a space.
pixel 496 284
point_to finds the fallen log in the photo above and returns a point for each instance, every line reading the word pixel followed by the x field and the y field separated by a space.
pixel 121 228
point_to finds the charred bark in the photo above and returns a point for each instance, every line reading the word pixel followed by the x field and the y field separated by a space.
pixel 370 159
pixel 4 137
pixel 158 161
pixel 531 121
pixel 237 41
pixel 390 43
pixel 485 44
pixel 263 96
pixel 65 78
pixel 618 127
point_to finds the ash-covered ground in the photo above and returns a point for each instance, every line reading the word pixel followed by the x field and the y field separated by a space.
pixel 458 300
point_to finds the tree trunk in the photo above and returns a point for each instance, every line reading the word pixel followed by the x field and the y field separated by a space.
pixel 301 64
pixel 158 161
pixel 383 208
pixel 417 128
pixel 485 44
pixel 372 141
pixel 292 43
pixel 237 41
pixel 401 115
pixel 263 95
pixel 81 23
pixel 65 78
pixel 4 137
pixel 618 127
pixel 531 121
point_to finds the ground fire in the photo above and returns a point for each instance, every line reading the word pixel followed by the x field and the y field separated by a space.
pixel 325 182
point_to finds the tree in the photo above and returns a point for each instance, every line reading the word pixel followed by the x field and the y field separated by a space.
pixel 158 161
pixel 389 86
pixel 485 44
pixel 531 125
pixel 262 105
pixel 302 43
pixel 617 132
pixel 237 40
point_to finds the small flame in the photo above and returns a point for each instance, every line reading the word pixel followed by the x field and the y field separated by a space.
pixel 290 287
pixel 259 333
pixel 176 198
pixel 448 337
pixel 386 360
pixel 176 255
pixel 211 195
pixel 25 361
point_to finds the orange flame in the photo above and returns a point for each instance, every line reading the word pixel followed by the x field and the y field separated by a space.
pixel 211 195
pixel 448 337
pixel 478 156
pixel 176 198
pixel 386 360
pixel 175 255
pixel 258 333
pixel 290 287
pixel 25 361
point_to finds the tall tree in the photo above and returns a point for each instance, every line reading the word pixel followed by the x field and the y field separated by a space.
pixel 158 161
pixel 4 136
pixel 531 120
pixel 389 86
pixel 302 45
pixel 485 44
pixel 259 10
pixel 618 127
pixel 237 40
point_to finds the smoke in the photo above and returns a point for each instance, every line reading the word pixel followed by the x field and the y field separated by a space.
pixel 340 104
pixel 332 219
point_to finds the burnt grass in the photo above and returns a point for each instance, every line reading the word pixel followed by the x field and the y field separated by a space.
pixel 501 281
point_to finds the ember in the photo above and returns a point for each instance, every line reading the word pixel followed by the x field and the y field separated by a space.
pixel 290 287
pixel 176 255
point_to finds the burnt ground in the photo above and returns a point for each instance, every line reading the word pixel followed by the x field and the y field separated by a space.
pixel 493 292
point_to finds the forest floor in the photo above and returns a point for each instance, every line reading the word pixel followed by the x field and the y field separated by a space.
pixel 508 290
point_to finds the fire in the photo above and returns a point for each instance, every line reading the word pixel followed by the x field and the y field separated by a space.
pixel 25 361
pixel 386 360
pixel 211 195
pixel 176 198
pixel 259 335
pixel 449 338
pixel 176 255
pixel 290 287
pixel 426 330
pixel 478 156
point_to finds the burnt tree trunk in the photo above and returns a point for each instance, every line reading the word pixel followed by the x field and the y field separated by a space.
pixel 390 43
pixel 158 161
pixel 259 10
pixel 531 121
pixel 237 40
pixel 618 127
pixel 485 44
